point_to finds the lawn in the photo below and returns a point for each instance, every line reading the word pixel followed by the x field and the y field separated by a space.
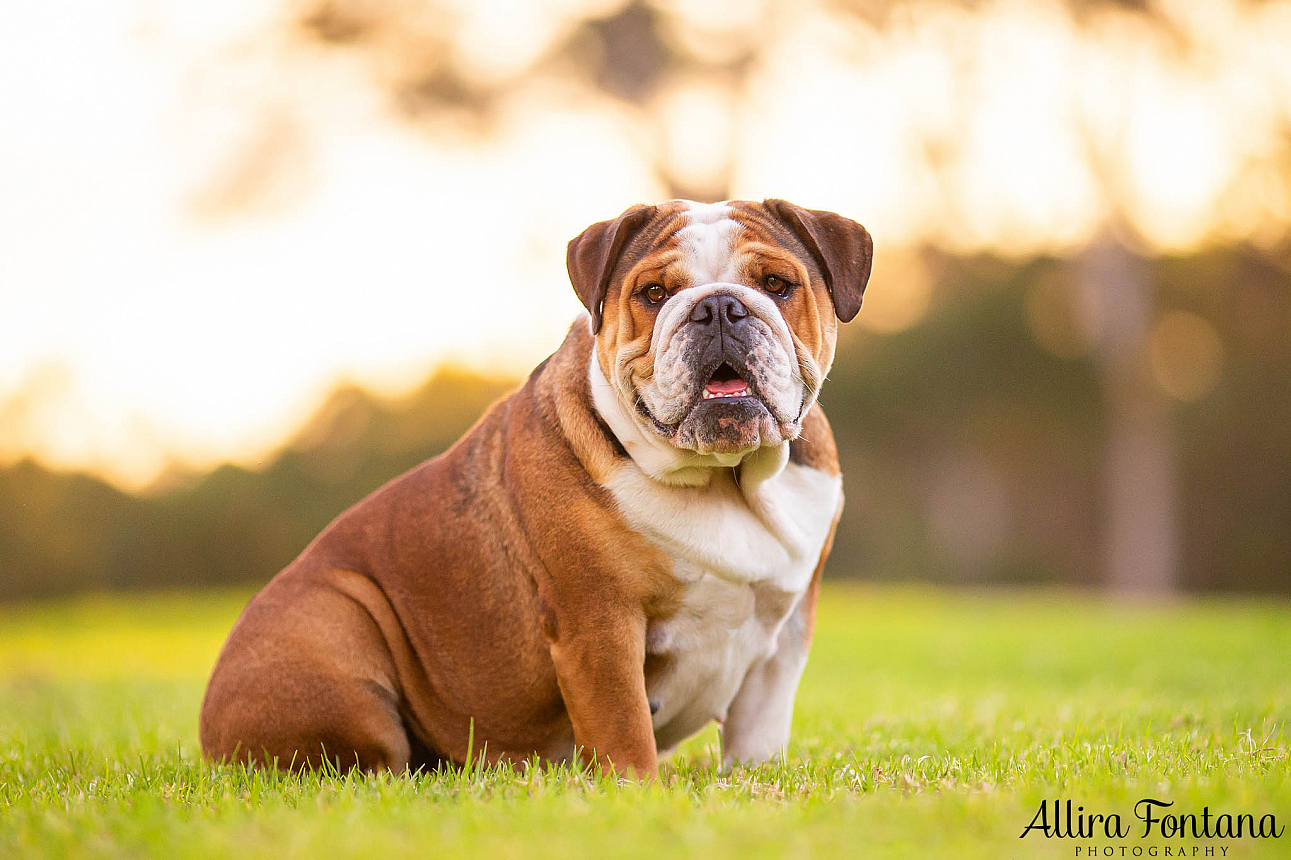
pixel 931 723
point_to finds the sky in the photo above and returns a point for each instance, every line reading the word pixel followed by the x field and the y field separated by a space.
pixel 206 223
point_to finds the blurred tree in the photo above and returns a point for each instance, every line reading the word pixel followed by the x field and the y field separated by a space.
pixel 972 443
pixel 984 438
pixel 1139 481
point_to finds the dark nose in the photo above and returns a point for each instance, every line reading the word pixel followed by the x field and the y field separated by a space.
pixel 712 311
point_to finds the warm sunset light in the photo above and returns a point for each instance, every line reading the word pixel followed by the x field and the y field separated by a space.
pixel 207 221
pixel 909 478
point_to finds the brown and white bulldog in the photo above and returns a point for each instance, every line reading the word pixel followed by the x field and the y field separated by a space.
pixel 627 547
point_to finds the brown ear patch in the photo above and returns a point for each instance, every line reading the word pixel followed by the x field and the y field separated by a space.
pixel 841 247
pixel 590 257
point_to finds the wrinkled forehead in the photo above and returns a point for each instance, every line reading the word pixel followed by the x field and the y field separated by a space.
pixel 704 239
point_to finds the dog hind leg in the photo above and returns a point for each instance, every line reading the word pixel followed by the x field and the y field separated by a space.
pixel 305 678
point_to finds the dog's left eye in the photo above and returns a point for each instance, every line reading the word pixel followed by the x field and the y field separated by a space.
pixel 655 293
pixel 776 284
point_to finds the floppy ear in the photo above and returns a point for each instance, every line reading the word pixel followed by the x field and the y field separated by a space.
pixel 592 254
pixel 842 248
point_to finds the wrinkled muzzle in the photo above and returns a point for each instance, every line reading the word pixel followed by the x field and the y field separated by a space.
pixel 726 375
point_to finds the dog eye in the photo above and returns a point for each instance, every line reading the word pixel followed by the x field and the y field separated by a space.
pixel 776 284
pixel 654 293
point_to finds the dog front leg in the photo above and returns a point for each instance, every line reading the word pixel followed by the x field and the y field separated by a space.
pixel 758 721
pixel 599 656
pixel 757 724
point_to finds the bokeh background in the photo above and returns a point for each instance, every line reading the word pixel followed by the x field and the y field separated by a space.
pixel 258 257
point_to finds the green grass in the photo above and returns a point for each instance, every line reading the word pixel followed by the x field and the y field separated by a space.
pixel 930 724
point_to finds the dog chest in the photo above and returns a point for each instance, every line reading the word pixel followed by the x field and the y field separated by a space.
pixel 697 659
pixel 745 556
pixel 769 532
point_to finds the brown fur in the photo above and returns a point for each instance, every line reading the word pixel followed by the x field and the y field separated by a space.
pixel 418 610
pixel 814 447
pixel 494 586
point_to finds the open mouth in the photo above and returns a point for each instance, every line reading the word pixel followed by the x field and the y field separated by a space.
pixel 725 382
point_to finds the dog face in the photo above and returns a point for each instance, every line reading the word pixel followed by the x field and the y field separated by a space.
pixel 715 324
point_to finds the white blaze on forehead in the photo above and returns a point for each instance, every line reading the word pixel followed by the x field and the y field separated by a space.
pixel 708 243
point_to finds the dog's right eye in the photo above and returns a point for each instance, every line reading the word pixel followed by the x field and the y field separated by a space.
pixel 654 293
pixel 776 285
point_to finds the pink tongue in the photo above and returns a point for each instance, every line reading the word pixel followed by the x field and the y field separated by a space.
pixel 727 387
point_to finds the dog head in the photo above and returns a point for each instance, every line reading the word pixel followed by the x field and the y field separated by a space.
pixel 715 324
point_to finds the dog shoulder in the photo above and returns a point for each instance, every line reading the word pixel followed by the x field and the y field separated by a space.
pixel 814 447
pixel 561 391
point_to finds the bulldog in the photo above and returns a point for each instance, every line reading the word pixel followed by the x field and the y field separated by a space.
pixel 623 550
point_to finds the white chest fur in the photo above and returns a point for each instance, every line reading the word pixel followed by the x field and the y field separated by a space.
pixel 744 545
pixel 745 552
pixel 747 529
